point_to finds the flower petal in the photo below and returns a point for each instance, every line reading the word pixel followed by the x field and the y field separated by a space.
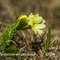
pixel 43 21
pixel 39 31
pixel 30 23
pixel 40 26
pixel 37 19
pixel 35 31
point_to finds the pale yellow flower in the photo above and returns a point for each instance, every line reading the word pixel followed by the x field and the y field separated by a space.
pixel 37 23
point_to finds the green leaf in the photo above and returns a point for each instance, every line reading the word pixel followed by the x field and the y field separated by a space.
pixel 48 40
pixel 0 24
pixel 11 49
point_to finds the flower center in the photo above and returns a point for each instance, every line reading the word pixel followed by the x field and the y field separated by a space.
pixel 34 25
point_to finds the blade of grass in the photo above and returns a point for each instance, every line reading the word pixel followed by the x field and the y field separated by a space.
pixel 48 40
pixel 0 24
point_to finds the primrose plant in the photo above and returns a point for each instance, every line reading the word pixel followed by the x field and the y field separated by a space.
pixel 34 22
